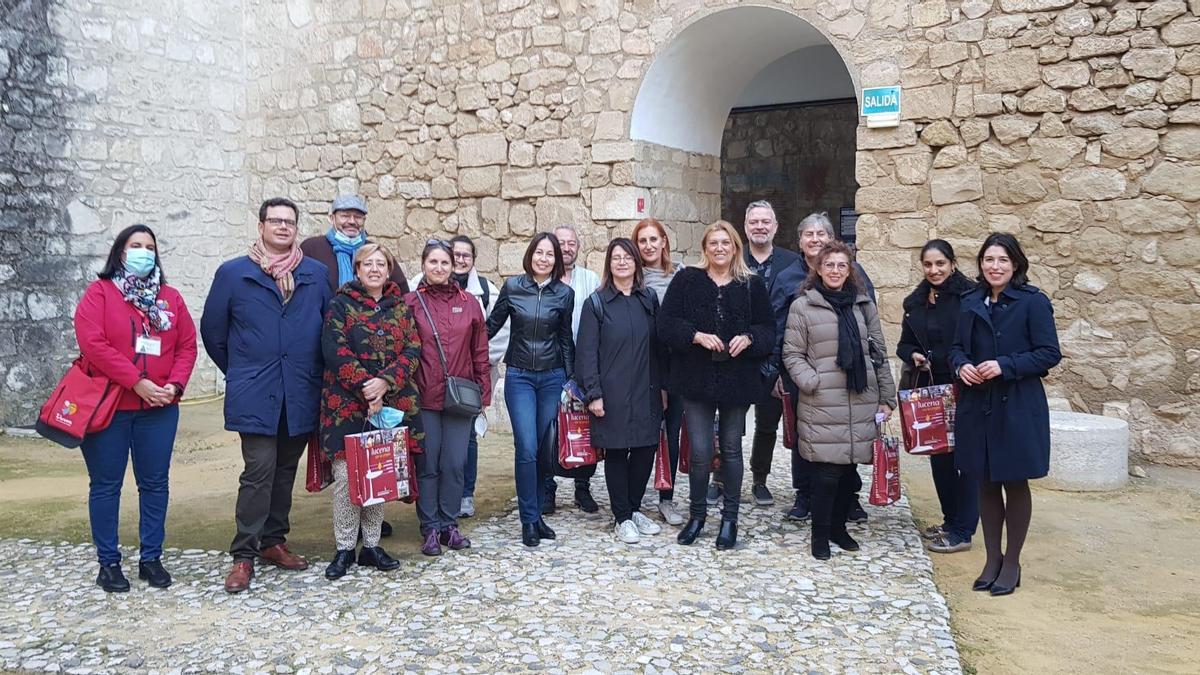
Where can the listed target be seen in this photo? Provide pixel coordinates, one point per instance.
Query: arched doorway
(745, 103)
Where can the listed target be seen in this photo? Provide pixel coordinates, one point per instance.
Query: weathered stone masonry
(1075, 124)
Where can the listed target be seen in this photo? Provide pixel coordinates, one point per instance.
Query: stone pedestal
(1087, 452)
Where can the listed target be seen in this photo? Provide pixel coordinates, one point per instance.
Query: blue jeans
(958, 495)
(532, 400)
(471, 470)
(149, 436)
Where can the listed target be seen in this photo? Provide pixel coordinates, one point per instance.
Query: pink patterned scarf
(278, 266)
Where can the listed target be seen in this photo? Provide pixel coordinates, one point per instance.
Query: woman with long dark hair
(833, 350)
(654, 248)
(539, 360)
(717, 321)
(1004, 344)
(617, 362)
(136, 330)
(926, 335)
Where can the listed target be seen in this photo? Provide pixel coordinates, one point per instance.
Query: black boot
(112, 579)
(152, 571)
(548, 502)
(378, 558)
(690, 531)
(529, 534)
(342, 560)
(727, 535)
(385, 530)
(584, 499)
(843, 503)
(821, 506)
(543, 530)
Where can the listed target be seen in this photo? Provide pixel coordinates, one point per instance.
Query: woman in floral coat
(371, 351)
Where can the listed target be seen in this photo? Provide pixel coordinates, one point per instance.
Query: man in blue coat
(815, 231)
(262, 327)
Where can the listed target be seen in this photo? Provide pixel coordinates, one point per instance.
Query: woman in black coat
(716, 319)
(926, 335)
(616, 361)
(1005, 343)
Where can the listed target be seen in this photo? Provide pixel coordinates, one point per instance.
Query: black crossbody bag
(463, 396)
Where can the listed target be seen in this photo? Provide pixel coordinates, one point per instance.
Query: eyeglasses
(462, 255)
(831, 266)
(277, 222)
(622, 259)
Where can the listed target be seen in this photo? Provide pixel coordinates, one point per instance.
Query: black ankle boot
(584, 499)
(727, 535)
(153, 572)
(529, 534)
(690, 531)
(342, 560)
(112, 579)
(543, 530)
(820, 543)
(378, 558)
(844, 540)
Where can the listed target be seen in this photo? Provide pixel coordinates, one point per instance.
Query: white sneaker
(628, 532)
(645, 525)
(467, 509)
(669, 514)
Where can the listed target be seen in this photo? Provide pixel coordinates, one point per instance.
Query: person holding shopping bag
(617, 362)
(454, 359)
(372, 352)
(135, 330)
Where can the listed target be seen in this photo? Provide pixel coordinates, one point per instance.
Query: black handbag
(463, 396)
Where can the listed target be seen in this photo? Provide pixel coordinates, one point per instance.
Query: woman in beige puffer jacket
(839, 398)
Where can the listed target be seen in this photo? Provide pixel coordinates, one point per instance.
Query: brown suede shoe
(239, 577)
(279, 556)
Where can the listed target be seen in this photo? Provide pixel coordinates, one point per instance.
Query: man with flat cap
(347, 233)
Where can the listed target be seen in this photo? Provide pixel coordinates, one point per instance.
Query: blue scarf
(344, 248)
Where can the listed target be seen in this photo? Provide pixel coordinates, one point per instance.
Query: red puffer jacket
(463, 334)
(106, 327)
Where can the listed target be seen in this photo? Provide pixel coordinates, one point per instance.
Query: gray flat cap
(348, 203)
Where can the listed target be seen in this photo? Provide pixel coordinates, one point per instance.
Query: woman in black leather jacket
(540, 358)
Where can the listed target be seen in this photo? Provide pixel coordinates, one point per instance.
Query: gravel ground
(583, 603)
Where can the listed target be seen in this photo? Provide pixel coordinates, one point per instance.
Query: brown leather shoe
(279, 556)
(239, 577)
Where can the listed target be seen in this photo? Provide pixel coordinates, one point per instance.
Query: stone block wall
(801, 159)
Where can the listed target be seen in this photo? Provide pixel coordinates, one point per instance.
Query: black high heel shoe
(998, 589)
(982, 584)
(690, 531)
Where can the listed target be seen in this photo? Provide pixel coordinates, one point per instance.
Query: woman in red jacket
(451, 326)
(135, 330)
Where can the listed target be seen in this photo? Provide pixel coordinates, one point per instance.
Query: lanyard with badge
(147, 344)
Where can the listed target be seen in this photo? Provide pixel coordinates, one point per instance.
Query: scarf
(850, 356)
(278, 267)
(142, 293)
(461, 279)
(345, 248)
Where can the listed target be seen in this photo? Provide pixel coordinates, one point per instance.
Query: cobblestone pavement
(583, 603)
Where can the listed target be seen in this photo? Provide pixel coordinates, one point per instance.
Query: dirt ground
(1111, 582)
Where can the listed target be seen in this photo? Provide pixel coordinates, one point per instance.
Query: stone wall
(801, 159)
(115, 113)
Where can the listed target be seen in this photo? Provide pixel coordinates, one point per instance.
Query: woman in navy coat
(1004, 345)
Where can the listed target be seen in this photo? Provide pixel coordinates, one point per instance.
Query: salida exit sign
(881, 106)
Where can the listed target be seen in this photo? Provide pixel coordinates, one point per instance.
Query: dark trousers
(264, 498)
(802, 477)
(626, 472)
(673, 418)
(440, 468)
(833, 489)
(766, 430)
(581, 474)
(958, 495)
(149, 437)
(700, 416)
(471, 468)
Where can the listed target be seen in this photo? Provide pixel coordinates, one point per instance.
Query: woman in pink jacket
(452, 329)
(135, 330)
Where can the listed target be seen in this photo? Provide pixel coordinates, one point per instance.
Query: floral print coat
(363, 338)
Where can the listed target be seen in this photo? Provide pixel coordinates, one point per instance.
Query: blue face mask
(139, 261)
(387, 418)
(348, 241)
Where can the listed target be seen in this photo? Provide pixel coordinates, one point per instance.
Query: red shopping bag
(372, 468)
(83, 402)
(320, 469)
(885, 471)
(927, 419)
(575, 437)
(789, 421)
(662, 464)
(685, 447)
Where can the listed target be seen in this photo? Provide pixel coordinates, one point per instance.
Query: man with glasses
(336, 248)
(486, 292)
(584, 282)
(815, 231)
(262, 327)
